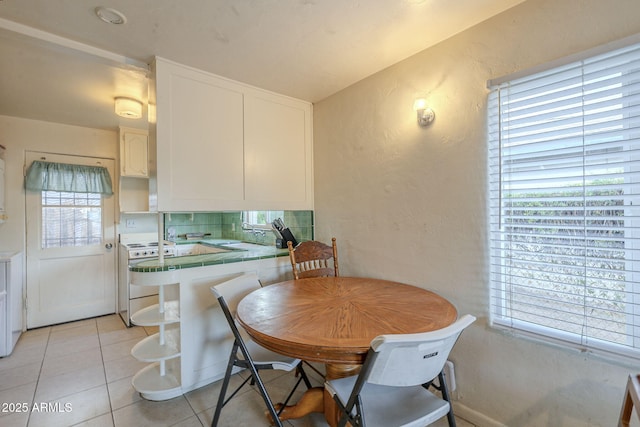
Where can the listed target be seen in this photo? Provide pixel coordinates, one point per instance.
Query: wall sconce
(128, 108)
(425, 114)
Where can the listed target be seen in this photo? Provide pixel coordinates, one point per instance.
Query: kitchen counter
(237, 252)
(193, 319)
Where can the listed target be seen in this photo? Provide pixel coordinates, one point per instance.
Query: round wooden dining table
(333, 320)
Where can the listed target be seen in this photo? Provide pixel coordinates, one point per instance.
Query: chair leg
(347, 418)
(444, 390)
(314, 369)
(631, 399)
(445, 395)
(286, 401)
(267, 400)
(225, 385)
(303, 375)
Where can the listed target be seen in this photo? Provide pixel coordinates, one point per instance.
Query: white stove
(148, 250)
(134, 248)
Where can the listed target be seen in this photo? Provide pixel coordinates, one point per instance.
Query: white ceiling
(61, 63)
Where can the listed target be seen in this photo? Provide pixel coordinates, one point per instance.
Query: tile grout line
(35, 389)
(104, 372)
(147, 332)
(192, 410)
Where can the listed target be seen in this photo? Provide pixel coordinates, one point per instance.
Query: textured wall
(409, 204)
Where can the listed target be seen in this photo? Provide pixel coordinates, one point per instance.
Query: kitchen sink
(244, 246)
(203, 248)
(199, 249)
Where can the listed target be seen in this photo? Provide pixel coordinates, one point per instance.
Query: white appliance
(134, 248)
(11, 303)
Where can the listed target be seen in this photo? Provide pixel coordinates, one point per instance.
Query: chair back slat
(314, 259)
(413, 359)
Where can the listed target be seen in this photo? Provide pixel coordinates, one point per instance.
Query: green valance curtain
(42, 176)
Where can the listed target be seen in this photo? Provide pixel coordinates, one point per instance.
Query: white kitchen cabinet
(11, 301)
(277, 149)
(196, 141)
(134, 153)
(2, 188)
(217, 144)
(134, 170)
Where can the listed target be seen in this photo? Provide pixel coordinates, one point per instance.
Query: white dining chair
(392, 388)
(246, 353)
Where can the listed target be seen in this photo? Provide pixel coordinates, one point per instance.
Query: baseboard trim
(474, 417)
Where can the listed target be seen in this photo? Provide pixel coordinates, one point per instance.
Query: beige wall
(409, 203)
(21, 135)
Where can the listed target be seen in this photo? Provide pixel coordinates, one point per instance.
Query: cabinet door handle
(108, 246)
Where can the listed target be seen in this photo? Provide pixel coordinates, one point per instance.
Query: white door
(71, 250)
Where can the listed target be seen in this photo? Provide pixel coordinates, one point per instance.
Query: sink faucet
(255, 231)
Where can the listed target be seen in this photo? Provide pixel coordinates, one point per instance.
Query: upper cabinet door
(198, 141)
(3, 216)
(133, 153)
(217, 144)
(277, 144)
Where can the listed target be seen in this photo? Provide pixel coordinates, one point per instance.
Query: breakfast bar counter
(231, 252)
(189, 318)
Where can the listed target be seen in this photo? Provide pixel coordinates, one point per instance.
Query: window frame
(498, 318)
(249, 219)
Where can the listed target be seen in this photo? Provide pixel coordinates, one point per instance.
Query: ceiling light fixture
(128, 108)
(425, 114)
(110, 16)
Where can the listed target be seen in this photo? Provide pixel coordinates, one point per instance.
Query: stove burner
(135, 245)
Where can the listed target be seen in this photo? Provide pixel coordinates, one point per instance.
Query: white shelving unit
(196, 335)
(161, 379)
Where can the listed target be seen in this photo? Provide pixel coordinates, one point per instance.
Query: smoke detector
(110, 16)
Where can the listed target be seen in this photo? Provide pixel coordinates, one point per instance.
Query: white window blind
(564, 168)
(71, 219)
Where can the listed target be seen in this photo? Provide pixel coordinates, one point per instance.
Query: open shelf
(161, 379)
(153, 386)
(150, 349)
(151, 316)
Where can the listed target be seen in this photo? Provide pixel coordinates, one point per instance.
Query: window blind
(564, 172)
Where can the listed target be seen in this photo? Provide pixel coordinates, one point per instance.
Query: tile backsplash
(228, 225)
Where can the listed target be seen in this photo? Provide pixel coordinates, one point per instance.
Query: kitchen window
(564, 172)
(260, 219)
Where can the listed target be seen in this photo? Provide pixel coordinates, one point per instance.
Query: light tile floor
(79, 374)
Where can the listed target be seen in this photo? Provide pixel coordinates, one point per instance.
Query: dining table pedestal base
(317, 399)
(311, 401)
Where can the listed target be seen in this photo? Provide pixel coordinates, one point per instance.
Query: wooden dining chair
(631, 399)
(392, 387)
(314, 259)
(247, 354)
